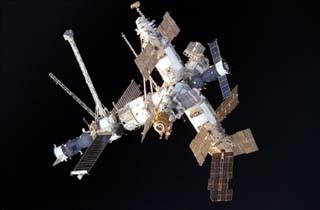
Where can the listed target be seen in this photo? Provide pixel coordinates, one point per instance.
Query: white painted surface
(207, 115)
(59, 154)
(134, 114)
(114, 137)
(104, 124)
(208, 112)
(79, 173)
(139, 110)
(220, 69)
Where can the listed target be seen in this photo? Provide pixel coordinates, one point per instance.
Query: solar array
(215, 52)
(90, 156)
(132, 92)
(200, 145)
(224, 86)
(194, 49)
(216, 57)
(243, 142)
(228, 105)
(149, 122)
(220, 174)
(168, 27)
(147, 126)
(147, 60)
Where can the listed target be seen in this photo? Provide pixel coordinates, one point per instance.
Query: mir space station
(160, 106)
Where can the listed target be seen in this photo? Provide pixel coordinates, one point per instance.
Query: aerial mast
(68, 36)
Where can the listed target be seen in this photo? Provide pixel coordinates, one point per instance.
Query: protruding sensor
(68, 35)
(72, 147)
(135, 5)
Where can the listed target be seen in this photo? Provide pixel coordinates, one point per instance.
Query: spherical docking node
(162, 124)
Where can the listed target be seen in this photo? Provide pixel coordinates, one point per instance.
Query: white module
(200, 114)
(170, 66)
(134, 114)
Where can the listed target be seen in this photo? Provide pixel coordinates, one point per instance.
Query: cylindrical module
(72, 147)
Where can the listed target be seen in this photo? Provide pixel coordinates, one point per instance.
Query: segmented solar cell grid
(224, 86)
(200, 145)
(215, 52)
(132, 92)
(228, 105)
(243, 142)
(91, 155)
(147, 60)
(168, 27)
(220, 173)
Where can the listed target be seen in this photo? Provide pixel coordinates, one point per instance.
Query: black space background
(272, 47)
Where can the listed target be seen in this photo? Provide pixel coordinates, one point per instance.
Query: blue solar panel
(215, 53)
(224, 82)
(224, 86)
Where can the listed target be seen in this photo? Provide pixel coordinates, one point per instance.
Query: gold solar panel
(243, 142)
(146, 127)
(168, 27)
(147, 60)
(200, 145)
(228, 105)
(220, 174)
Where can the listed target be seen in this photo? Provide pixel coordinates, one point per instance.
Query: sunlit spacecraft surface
(159, 106)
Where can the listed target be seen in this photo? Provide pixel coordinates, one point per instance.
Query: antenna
(68, 36)
(70, 93)
(128, 43)
(136, 5)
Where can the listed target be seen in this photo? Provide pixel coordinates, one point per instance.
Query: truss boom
(68, 36)
(70, 93)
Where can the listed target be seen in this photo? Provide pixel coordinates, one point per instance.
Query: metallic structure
(160, 106)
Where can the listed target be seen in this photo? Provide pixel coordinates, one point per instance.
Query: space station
(153, 106)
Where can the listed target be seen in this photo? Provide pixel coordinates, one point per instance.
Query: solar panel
(215, 52)
(90, 156)
(228, 105)
(132, 92)
(168, 27)
(217, 60)
(147, 60)
(243, 142)
(194, 49)
(220, 174)
(146, 127)
(200, 145)
(224, 86)
(150, 119)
